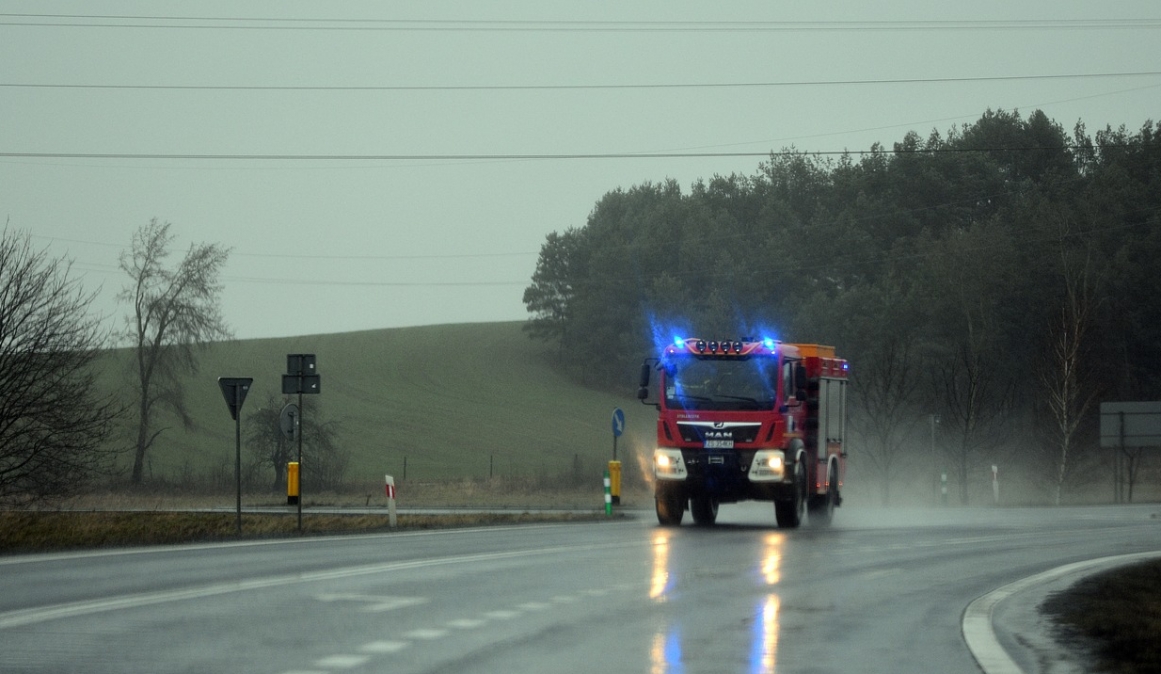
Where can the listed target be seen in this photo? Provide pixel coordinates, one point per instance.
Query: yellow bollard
(615, 481)
(292, 483)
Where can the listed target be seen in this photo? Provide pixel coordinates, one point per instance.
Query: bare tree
(1063, 370)
(175, 311)
(268, 446)
(53, 420)
(324, 461)
(881, 330)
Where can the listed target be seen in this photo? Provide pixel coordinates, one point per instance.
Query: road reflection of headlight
(772, 559)
(764, 649)
(665, 653)
(659, 581)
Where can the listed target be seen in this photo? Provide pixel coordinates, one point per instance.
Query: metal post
(300, 469)
(238, 450)
(1119, 463)
(934, 461)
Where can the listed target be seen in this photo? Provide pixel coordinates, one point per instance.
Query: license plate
(719, 444)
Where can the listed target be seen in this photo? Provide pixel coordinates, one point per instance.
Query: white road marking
(342, 661)
(467, 623)
(426, 634)
(534, 606)
(563, 599)
(41, 614)
(375, 604)
(977, 618)
(502, 614)
(382, 647)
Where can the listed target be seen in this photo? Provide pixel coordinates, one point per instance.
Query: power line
(566, 87)
(304, 256)
(487, 25)
(509, 157)
(374, 284)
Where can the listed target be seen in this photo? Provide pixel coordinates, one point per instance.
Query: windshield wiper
(742, 398)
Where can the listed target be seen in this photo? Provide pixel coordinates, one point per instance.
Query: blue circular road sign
(618, 422)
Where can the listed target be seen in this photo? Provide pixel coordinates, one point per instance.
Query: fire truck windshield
(721, 383)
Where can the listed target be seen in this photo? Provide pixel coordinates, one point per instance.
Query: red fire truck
(748, 420)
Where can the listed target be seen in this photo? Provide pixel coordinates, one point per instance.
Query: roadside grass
(495, 494)
(167, 517)
(25, 532)
(1118, 616)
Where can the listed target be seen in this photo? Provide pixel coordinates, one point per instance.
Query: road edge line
(977, 626)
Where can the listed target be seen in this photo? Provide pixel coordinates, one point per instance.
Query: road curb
(979, 631)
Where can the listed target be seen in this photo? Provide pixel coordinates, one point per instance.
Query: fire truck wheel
(670, 508)
(790, 513)
(704, 510)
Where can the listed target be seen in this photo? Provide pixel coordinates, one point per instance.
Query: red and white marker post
(390, 484)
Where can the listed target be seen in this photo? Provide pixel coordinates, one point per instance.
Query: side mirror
(643, 381)
(800, 377)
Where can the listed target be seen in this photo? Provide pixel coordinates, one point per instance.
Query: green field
(454, 401)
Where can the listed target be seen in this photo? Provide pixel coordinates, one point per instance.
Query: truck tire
(670, 508)
(790, 513)
(704, 510)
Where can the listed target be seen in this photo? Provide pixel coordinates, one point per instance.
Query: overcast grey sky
(405, 178)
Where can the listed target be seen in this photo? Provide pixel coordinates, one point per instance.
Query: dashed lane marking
(384, 647)
(426, 634)
(342, 661)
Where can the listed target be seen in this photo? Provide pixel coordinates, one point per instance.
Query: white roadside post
(390, 483)
(996, 484)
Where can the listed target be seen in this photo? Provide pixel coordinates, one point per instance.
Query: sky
(388, 164)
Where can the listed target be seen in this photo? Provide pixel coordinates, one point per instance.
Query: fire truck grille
(700, 430)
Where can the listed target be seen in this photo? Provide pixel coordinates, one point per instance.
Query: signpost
(288, 423)
(301, 377)
(234, 390)
(1129, 425)
(615, 465)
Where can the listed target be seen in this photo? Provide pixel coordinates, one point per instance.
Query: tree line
(991, 285)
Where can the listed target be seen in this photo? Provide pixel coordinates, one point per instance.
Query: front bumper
(726, 475)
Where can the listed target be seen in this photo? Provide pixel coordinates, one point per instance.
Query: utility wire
(565, 87)
(485, 25)
(505, 157)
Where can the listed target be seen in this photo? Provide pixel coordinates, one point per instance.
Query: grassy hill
(457, 401)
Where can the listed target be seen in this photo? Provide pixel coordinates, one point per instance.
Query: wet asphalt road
(880, 591)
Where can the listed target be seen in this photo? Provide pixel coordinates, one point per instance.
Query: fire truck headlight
(668, 464)
(769, 465)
